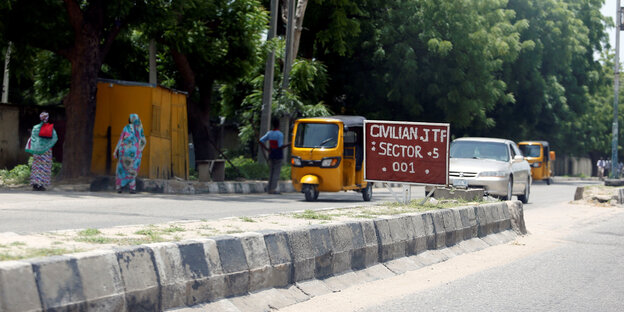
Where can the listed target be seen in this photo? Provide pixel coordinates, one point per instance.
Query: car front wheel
(509, 189)
(524, 198)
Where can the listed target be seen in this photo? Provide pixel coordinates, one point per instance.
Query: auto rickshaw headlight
(536, 164)
(330, 162)
(295, 161)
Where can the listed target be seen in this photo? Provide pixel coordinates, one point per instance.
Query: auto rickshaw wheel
(310, 191)
(367, 192)
(548, 181)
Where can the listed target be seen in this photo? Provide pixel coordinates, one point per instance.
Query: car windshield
(316, 135)
(530, 150)
(479, 150)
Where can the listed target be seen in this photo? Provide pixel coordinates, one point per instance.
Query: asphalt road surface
(26, 211)
(572, 260)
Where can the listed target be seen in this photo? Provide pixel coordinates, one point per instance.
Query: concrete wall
(573, 166)
(15, 126)
(316, 259)
(9, 142)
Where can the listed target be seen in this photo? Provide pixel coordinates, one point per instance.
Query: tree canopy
(519, 69)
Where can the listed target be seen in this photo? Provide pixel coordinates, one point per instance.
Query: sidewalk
(173, 186)
(185, 187)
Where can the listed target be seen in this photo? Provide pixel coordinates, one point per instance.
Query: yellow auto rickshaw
(327, 156)
(540, 157)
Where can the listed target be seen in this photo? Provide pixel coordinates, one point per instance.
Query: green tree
(555, 75)
(209, 42)
(242, 100)
(427, 60)
(82, 32)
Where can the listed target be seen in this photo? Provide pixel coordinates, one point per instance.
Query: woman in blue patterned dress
(41, 148)
(129, 151)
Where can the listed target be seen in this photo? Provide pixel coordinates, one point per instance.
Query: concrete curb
(173, 186)
(255, 271)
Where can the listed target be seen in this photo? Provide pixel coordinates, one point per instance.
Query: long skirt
(41, 170)
(128, 168)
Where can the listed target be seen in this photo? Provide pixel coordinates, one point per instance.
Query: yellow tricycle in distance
(541, 159)
(327, 154)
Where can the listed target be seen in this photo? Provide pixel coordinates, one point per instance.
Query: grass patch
(233, 231)
(247, 219)
(152, 235)
(95, 240)
(312, 215)
(173, 229)
(18, 244)
(89, 232)
(36, 253)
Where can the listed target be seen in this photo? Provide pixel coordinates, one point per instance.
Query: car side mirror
(518, 158)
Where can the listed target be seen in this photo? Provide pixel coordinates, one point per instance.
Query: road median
(288, 265)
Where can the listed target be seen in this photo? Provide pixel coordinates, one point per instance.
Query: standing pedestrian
(276, 155)
(42, 139)
(600, 165)
(128, 152)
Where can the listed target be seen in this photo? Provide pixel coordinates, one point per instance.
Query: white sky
(609, 9)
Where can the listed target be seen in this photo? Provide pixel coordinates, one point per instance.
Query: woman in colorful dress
(41, 148)
(129, 151)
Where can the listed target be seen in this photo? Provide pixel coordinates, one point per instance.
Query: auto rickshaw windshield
(530, 150)
(313, 135)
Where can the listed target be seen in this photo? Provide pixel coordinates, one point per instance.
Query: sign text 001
(407, 152)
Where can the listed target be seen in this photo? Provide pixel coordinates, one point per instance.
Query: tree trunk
(198, 112)
(299, 15)
(80, 107)
(301, 7)
(204, 140)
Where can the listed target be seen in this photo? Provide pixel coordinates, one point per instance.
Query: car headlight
(493, 174)
(330, 162)
(295, 161)
(536, 164)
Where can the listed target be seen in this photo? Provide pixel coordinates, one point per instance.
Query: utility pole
(5, 81)
(267, 95)
(290, 32)
(152, 62)
(616, 86)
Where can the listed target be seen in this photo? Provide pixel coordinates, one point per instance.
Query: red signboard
(407, 152)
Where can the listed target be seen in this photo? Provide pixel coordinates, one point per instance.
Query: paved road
(571, 261)
(26, 211)
(582, 273)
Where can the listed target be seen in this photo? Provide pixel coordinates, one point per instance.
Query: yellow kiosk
(163, 114)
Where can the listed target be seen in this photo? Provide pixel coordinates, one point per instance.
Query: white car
(495, 165)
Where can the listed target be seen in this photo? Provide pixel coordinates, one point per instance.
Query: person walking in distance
(42, 139)
(600, 165)
(276, 143)
(128, 152)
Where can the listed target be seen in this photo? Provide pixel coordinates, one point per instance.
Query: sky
(609, 9)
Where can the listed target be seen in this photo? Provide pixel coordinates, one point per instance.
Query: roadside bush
(20, 174)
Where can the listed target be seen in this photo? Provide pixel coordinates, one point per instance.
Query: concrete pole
(267, 95)
(152, 62)
(616, 85)
(290, 31)
(5, 81)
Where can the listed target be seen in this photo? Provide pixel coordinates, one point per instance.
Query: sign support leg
(407, 193)
(427, 197)
(392, 192)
